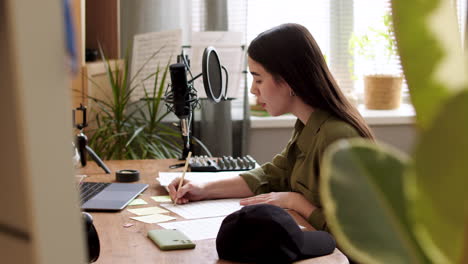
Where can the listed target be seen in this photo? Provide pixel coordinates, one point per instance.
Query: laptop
(104, 196)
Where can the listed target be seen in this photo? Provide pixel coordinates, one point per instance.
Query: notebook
(104, 196)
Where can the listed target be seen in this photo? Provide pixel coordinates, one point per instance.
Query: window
(461, 14)
(331, 22)
(313, 14)
(370, 12)
(370, 29)
(255, 16)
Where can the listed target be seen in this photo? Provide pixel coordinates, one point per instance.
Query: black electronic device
(106, 196)
(225, 163)
(180, 90)
(82, 141)
(182, 98)
(92, 238)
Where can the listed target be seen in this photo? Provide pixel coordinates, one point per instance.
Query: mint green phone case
(169, 239)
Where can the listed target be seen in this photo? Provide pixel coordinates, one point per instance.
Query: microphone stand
(82, 143)
(186, 127)
(182, 99)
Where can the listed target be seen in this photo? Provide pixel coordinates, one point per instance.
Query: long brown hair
(289, 51)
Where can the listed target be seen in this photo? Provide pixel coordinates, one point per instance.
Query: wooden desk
(131, 245)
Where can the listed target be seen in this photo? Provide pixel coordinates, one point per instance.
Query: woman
(290, 76)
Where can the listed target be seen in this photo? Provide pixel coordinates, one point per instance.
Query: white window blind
(461, 15)
(198, 15)
(255, 16)
(331, 22)
(314, 15)
(341, 27)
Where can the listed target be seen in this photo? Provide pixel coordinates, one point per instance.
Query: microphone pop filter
(212, 78)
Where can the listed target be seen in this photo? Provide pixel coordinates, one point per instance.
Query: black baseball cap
(264, 233)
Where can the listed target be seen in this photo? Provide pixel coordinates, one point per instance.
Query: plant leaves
(125, 130)
(362, 195)
(438, 182)
(430, 50)
(135, 134)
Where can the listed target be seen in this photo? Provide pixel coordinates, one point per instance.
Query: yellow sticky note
(162, 199)
(137, 202)
(154, 218)
(148, 211)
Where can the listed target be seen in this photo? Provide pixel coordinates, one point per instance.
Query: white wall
(143, 16)
(267, 142)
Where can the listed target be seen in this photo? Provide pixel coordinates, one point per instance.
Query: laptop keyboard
(89, 189)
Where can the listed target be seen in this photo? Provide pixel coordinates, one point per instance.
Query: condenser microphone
(180, 90)
(181, 99)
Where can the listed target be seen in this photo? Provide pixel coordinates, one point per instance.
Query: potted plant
(375, 50)
(384, 206)
(126, 129)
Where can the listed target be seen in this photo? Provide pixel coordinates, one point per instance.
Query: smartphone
(169, 239)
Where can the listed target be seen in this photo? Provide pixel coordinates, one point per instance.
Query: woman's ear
(283, 83)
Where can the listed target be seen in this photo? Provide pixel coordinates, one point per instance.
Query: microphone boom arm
(196, 77)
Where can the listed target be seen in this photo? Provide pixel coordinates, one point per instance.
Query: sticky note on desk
(154, 218)
(138, 202)
(162, 199)
(148, 211)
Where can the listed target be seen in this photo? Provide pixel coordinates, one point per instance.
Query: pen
(183, 174)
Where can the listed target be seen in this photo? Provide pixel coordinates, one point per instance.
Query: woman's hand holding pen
(188, 192)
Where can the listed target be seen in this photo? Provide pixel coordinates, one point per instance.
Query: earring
(292, 93)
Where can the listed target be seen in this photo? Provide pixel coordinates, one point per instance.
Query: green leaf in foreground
(438, 182)
(363, 198)
(431, 55)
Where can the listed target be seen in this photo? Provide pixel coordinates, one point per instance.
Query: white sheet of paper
(168, 45)
(165, 178)
(209, 208)
(154, 218)
(228, 45)
(148, 211)
(199, 229)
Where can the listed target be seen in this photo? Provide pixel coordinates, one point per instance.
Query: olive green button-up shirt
(297, 168)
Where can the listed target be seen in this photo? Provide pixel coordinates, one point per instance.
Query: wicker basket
(382, 92)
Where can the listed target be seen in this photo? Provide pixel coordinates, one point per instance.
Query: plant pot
(382, 92)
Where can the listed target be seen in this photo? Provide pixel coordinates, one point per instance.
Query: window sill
(401, 116)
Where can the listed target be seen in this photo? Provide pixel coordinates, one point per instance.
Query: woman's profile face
(272, 95)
